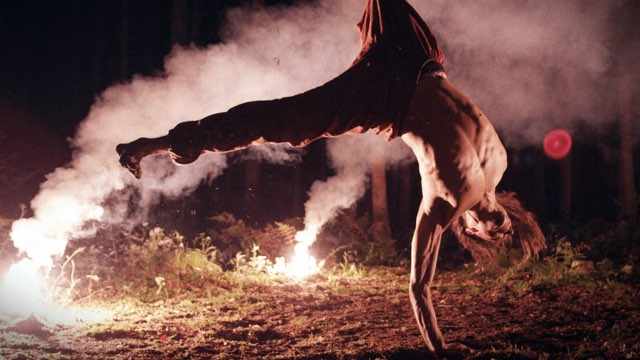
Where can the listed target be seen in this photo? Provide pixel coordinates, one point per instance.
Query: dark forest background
(57, 56)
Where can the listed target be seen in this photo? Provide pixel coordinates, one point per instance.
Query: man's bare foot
(131, 154)
(128, 160)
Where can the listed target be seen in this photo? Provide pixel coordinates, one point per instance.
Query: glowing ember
(302, 264)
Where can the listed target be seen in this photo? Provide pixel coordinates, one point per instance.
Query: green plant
(5, 229)
(549, 271)
(194, 260)
(255, 263)
(5, 224)
(349, 268)
(63, 286)
(276, 240)
(230, 236)
(362, 243)
(381, 249)
(509, 258)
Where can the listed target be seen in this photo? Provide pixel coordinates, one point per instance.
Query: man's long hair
(526, 234)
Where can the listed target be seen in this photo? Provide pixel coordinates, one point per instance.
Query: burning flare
(25, 290)
(302, 264)
(22, 291)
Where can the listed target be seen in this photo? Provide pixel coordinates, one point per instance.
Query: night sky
(57, 56)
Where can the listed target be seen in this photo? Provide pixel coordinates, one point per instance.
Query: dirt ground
(354, 313)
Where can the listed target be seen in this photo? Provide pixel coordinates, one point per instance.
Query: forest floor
(349, 313)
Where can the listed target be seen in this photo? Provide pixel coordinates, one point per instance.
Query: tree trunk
(566, 164)
(380, 213)
(540, 187)
(401, 216)
(566, 169)
(179, 20)
(297, 194)
(196, 20)
(627, 193)
(125, 31)
(98, 50)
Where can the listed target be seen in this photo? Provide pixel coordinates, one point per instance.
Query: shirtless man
(397, 85)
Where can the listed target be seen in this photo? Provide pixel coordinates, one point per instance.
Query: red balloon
(557, 144)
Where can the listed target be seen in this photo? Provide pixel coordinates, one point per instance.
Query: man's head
(487, 233)
(487, 225)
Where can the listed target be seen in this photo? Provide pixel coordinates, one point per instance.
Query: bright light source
(302, 264)
(23, 292)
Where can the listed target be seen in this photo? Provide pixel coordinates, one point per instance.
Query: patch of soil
(367, 316)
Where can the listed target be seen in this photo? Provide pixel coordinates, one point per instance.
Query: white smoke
(529, 64)
(275, 153)
(266, 54)
(532, 65)
(351, 157)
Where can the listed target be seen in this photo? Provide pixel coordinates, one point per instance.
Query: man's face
(488, 226)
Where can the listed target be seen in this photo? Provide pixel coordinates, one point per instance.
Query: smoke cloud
(531, 65)
(351, 157)
(267, 53)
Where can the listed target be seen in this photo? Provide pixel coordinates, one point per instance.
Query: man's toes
(129, 163)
